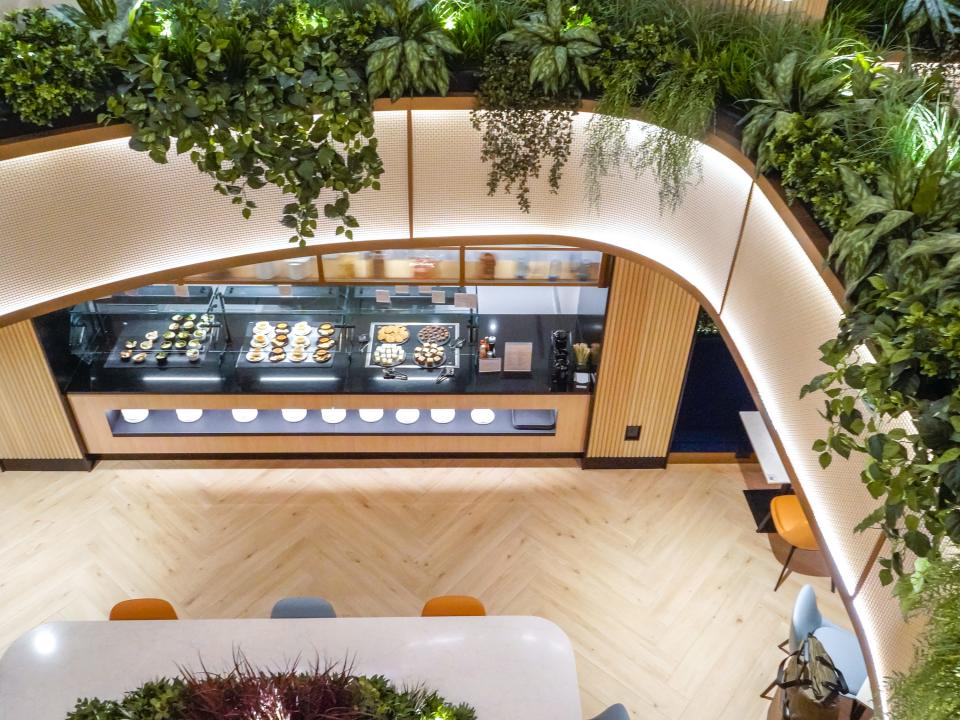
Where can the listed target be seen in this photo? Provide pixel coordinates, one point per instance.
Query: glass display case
(513, 265)
(261, 339)
(418, 265)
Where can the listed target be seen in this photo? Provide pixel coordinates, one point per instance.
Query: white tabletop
(505, 667)
(763, 446)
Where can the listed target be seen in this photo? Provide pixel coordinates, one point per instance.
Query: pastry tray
(175, 358)
(314, 336)
(452, 355)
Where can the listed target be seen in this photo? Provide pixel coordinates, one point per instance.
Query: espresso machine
(560, 365)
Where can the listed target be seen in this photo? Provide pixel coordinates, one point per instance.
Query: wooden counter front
(91, 412)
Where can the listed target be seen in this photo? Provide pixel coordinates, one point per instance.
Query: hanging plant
(255, 99)
(522, 128)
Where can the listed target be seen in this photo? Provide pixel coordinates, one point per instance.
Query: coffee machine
(560, 360)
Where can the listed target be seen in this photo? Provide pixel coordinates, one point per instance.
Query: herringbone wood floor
(657, 576)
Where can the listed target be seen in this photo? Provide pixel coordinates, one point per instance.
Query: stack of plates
(333, 415)
(443, 416)
(407, 417)
(482, 417)
(134, 416)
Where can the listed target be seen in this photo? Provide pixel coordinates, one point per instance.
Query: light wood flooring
(657, 576)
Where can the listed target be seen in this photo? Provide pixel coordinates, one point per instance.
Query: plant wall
(281, 93)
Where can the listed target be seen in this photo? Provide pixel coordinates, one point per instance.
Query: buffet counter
(374, 424)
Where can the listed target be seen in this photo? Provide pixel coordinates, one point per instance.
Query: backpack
(811, 684)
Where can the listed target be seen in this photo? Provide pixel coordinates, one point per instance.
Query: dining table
(506, 667)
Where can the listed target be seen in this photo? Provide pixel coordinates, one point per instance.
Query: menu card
(383, 296)
(518, 357)
(402, 290)
(465, 300)
(439, 297)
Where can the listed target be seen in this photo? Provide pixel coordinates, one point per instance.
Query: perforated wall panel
(778, 313)
(85, 216)
(450, 199)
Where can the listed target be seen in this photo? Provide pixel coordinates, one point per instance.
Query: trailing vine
(255, 99)
(521, 127)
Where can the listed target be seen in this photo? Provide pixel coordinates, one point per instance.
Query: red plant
(245, 693)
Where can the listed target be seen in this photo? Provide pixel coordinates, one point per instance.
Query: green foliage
(681, 108)
(931, 690)
(475, 25)
(104, 20)
(255, 98)
(48, 68)
(940, 17)
(809, 157)
(411, 57)
(521, 127)
(557, 42)
(157, 700)
(248, 693)
(382, 701)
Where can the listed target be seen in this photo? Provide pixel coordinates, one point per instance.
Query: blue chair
(841, 645)
(302, 607)
(614, 712)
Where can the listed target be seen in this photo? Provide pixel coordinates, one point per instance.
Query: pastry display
(259, 341)
(125, 355)
(255, 356)
(282, 327)
(301, 340)
(139, 357)
(152, 335)
(428, 355)
(276, 355)
(321, 356)
(393, 334)
(388, 355)
(326, 329)
(325, 343)
(161, 358)
(297, 355)
(437, 334)
(279, 341)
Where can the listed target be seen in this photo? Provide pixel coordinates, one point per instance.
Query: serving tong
(391, 374)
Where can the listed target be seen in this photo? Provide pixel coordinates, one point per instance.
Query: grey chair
(614, 712)
(302, 607)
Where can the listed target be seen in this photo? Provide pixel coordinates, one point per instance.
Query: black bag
(811, 684)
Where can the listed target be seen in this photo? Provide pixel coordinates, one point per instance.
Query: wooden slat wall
(647, 338)
(813, 9)
(33, 420)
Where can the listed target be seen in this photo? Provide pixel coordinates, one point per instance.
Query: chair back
(614, 712)
(302, 607)
(806, 617)
(143, 609)
(444, 605)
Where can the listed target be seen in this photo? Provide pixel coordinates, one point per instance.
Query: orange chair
(452, 605)
(143, 609)
(792, 525)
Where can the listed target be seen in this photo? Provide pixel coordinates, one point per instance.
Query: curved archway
(83, 218)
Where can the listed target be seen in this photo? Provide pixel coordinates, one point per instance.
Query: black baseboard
(340, 456)
(623, 463)
(82, 465)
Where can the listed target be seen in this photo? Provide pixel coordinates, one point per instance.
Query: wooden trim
(710, 458)
(61, 139)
